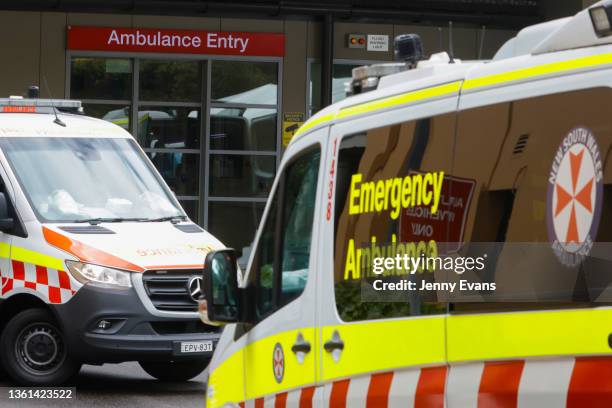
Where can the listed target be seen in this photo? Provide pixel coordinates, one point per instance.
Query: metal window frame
(205, 106)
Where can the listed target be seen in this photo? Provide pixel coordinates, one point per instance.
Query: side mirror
(221, 302)
(6, 223)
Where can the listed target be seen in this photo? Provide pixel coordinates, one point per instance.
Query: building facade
(211, 100)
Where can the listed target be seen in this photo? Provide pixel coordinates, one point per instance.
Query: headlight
(84, 272)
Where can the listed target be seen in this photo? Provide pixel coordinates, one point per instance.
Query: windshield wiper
(173, 219)
(96, 221)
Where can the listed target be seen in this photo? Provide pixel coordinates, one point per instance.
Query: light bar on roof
(41, 103)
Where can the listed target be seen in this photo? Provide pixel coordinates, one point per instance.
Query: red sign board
(447, 225)
(176, 41)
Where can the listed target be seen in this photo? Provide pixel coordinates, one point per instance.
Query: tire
(33, 350)
(174, 371)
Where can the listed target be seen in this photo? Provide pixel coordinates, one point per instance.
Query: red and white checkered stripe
(556, 382)
(56, 286)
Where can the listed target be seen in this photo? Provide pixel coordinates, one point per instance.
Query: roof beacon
(408, 52)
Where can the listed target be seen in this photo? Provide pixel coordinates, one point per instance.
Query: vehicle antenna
(57, 120)
(451, 50)
(482, 37)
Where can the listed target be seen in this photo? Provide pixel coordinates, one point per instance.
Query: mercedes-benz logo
(194, 287)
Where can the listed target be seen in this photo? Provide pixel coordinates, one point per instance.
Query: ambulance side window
(18, 229)
(283, 254)
(541, 205)
(370, 222)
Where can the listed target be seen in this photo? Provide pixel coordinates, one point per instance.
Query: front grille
(168, 290)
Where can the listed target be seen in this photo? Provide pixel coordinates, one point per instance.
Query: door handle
(335, 343)
(300, 348)
(301, 345)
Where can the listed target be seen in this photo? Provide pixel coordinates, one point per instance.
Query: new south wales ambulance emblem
(575, 193)
(278, 363)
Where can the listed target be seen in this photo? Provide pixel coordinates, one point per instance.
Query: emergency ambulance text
(395, 193)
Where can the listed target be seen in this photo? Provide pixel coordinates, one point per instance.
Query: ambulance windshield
(80, 179)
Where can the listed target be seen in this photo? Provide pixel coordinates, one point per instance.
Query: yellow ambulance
(523, 143)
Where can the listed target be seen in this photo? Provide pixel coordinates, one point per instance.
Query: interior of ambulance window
(363, 231)
(283, 252)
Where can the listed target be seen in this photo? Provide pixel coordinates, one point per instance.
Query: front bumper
(134, 333)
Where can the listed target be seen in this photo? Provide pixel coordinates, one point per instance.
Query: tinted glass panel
(117, 114)
(298, 216)
(243, 129)
(341, 74)
(241, 176)
(244, 82)
(169, 127)
(315, 85)
(367, 228)
(180, 170)
(223, 219)
(100, 78)
(191, 208)
(288, 229)
(264, 262)
(170, 81)
(541, 207)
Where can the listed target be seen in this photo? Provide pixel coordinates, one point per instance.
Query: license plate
(187, 347)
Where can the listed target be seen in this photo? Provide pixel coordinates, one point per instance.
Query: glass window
(315, 87)
(100, 78)
(341, 74)
(300, 191)
(117, 114)
(542, 200)
(244, 82)
(180, 170)
(288, 228)
(191, 208)
(69, 179)
(368, 164)
(171, 81)
(168, 127)
(243, 129)
(223, 219)
(264, 301)
(241, 175)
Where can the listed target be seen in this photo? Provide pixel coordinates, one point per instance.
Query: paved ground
(119, 386)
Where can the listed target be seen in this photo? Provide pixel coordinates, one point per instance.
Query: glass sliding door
(168, 124)
(210, 126)
(104, 85)
(242, 147)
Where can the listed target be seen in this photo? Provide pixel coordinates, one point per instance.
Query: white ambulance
(98, 262)
(525, 145)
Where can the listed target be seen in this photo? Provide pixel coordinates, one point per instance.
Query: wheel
(33, 350)
(174, 370)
